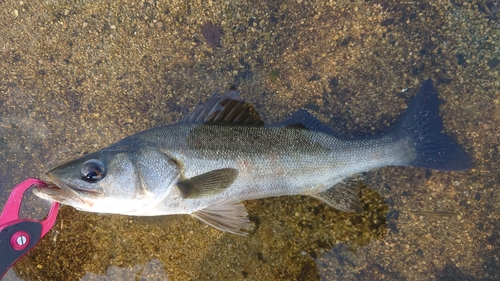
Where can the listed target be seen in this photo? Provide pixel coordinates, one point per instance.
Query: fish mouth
(60, 192)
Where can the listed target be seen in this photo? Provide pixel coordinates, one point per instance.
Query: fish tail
(422, 126)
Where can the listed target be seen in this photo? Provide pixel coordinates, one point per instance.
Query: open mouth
(59, 192)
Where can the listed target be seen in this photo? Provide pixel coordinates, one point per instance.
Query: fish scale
(222, 154)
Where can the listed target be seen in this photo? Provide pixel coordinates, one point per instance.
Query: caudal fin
(422, 124)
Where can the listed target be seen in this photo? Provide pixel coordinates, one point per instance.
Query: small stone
(212, 34)
(262, 23)
(15, 13)
(387, 22)
(493, 62)
(460, 59)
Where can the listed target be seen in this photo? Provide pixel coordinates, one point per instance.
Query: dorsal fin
(303, 119)
(226, 108)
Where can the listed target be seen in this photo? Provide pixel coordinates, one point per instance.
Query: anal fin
(343, 196)
(231, 217)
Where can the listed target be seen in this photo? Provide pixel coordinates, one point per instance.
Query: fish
(222, 153)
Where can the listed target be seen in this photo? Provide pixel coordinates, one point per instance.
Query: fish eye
(92, 170)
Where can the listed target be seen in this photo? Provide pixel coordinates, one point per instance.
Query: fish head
(104, 182)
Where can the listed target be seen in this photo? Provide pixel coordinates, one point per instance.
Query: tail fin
(422, 123)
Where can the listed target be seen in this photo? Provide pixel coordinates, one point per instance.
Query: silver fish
(222, 154)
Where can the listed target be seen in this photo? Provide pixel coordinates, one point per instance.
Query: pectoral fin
(343, 196)
(231, 217)
(207, 184)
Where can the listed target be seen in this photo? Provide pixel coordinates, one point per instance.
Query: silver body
(302, 162)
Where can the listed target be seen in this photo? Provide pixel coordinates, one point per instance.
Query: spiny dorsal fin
(226, 108)
(207, 184)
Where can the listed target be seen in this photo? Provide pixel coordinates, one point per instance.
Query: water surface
(77, 76)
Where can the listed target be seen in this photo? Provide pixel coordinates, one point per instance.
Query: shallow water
(77, 76)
